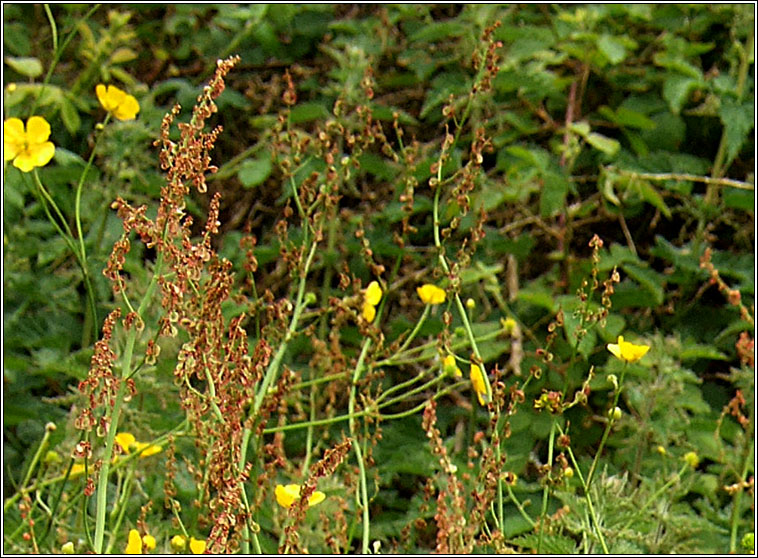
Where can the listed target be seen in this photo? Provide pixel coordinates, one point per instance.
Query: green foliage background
(601, 117)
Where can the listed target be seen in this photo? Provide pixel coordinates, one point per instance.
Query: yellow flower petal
(197, 546)
(628, 352)
(126, 441)
(178, 543)
(128, 109)
(373, 293)
(369, 312)
(146, 450)
(76, 470)
(149, 542)
(289, 494)
(478, 383)
(431, 294)
(316, 498)
(119, 103)
(450, 367)
(37, 130)
(42, 153)
(134, 545)
(14, 138)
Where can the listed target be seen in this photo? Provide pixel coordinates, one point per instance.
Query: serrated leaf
(254, 172)
(694, 351)
(738, 120)
(26, 66)
(649, 280)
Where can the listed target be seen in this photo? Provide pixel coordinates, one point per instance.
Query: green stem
(102, 481)
(546, 488)
(59, 52)
(416, 329)
(363, 499)
(608, 427)
(588, 499)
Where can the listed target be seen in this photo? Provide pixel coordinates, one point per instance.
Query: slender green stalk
(363, 499)
(115, 415)
(608, 426)
(519, 505)
(546, 488)
(588, 498)
(416, 329)
(59, 52)
(81, 258)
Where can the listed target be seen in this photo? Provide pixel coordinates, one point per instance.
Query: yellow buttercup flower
(289, 494)
(197, 546)
(368, 313)
(477, 381)
(146, 450)
(76, 470)
(450, 367)
(431, 294)
(371, 297)
(28, 146)
(129, 443)
(126, 441)
(373, 293)
(134, 544)
(119, 103)
(149, 542)
(178, 543)
(628, 352)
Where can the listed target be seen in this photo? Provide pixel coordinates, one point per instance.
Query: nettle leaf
(677, 89)
(738, 120)
(649, 280)
(554, 189)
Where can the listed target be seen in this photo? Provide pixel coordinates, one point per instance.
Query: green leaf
(613, 49)
(651, 281)
(651, 195)
(738, 120)
(554, 190)
(306, 112)
(739, 199)
(598, 141)
(634, 119)
(26, 66)
(677, 89)
(254, 172)
(439, 30)
(70, 116)
(602, 143)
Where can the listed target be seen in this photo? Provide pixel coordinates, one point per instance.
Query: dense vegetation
(407, 278)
